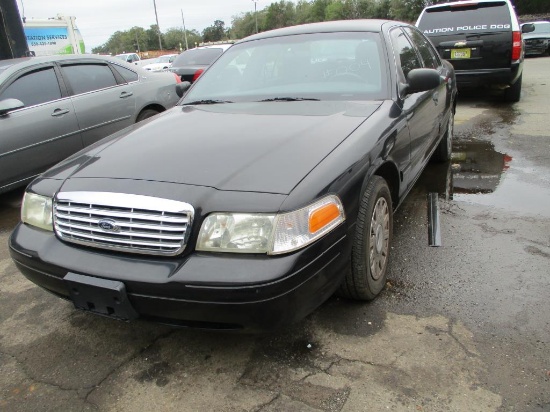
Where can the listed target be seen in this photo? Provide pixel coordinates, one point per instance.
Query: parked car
(482, 40)
(161, 63)
(279, 191)
(538, 41)
(130, 58)
(53, 106)
(190, 64)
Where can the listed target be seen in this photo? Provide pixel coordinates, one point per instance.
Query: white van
(58, 35)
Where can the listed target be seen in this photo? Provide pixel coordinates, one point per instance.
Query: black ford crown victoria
(269, 187)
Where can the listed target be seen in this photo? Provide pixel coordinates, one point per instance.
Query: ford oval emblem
(108, 225)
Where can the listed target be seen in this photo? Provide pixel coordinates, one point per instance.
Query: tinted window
(424, 47)
(128, 74)
(471, 17)
(408, 59)
(199, 57)
(34, 88)
(88, 77)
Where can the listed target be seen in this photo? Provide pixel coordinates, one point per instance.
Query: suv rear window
(469, 17)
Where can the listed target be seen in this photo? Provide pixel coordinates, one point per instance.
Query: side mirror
(182, 87)
(9, 105)
(421, 80)
(527, 28)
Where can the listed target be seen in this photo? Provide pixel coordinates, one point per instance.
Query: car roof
(360, 25)
(223, 46)
(31, 61)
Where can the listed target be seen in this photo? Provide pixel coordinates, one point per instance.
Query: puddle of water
(478, 174)
(482, 175)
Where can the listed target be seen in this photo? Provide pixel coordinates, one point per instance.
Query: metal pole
(256, 14)
(158, 27)
(184, 31)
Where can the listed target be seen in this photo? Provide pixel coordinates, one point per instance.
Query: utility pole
(158, 27)
(184, 31)
(256, 14)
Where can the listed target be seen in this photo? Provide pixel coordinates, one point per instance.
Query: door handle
(60, 112)
(124, 95)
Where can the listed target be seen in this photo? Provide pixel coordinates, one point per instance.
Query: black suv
(482, 40)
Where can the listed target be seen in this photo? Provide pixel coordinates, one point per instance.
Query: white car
(162, 63)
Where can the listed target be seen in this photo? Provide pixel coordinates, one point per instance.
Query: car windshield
(320, 66)
(164, 59)
(542, 28)
(200, 57)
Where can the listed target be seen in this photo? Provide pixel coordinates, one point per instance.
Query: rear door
(103, 100)
(473, 35)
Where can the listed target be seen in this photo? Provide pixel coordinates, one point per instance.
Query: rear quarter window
(475, 17)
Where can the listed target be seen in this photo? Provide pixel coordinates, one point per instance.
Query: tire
(371, 243)
(145, 114)
(445, 147)
(513, 93)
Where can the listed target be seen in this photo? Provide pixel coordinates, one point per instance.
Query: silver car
(53, 106)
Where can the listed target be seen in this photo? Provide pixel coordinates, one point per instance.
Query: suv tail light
(197, 74)
(516, 45)
(178, 79)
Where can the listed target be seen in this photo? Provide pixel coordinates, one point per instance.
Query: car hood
(255, 147)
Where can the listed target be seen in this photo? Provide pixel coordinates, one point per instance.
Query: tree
(279, 14)
(319, 10)
(174, 38)
(215, 32)
(408, 10)
(245, 25)
(302, 12)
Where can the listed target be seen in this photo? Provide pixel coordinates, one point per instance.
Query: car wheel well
(388, 171)
(156, 107)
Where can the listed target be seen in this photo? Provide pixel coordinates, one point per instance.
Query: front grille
(123, 222)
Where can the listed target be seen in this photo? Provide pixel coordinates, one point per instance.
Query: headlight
(37, 211)
(270, 233)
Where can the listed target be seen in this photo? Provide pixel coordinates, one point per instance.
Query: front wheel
(371, 244)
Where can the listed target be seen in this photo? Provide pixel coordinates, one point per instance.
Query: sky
(97, 20)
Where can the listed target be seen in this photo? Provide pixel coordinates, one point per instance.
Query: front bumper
(212, 291)
(536, 48)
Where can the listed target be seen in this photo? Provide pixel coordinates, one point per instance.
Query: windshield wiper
(206, 101)
(289, 99)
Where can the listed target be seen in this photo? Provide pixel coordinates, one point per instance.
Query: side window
(127, 74)
(408, 59)
(424, 47)
(33, 88)
(85, 78)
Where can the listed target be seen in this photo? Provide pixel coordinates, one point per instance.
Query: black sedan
(269, 187)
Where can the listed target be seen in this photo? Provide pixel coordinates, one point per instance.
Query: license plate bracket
(461, 53)
(101, 296)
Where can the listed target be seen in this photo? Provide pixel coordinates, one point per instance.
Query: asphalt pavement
(461, 327)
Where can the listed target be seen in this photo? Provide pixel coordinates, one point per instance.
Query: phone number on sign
(43, 43)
